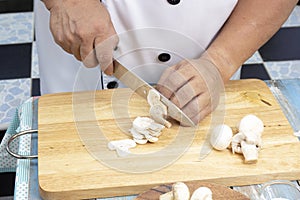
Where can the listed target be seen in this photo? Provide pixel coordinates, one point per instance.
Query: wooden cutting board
(74, 129)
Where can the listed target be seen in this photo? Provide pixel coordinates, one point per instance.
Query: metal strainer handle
(18, 156)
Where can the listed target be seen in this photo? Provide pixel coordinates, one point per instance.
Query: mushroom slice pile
(158, 111)
(145, 129)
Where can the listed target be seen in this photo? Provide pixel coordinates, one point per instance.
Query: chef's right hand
(84, 28)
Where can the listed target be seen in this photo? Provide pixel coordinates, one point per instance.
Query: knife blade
(142, 88)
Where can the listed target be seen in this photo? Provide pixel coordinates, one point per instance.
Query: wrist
(221, 62)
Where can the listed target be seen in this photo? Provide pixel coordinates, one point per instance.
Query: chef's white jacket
(154, 34)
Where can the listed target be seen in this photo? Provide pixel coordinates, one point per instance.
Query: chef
(190, 48)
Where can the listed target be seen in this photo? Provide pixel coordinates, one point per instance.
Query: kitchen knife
(142, 88)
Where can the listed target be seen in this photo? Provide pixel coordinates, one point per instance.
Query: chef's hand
(84, 29)
(194, 86)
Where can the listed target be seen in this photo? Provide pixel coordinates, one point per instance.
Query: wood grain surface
(74, 129)
(219, 192)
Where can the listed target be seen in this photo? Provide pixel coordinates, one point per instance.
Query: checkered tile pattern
(279, 58)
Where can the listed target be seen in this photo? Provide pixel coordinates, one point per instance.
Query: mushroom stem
(250, 152)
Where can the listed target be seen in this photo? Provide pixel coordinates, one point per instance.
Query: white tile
(34, 62)
(294, 18)
(283, 69)
(255, 58)
(12, 94)
(16, 28)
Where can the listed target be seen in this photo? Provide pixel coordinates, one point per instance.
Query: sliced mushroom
(148, 136)
(135, 134)
(250, 152)
(142, 123)
(202, 193)
(121, 146)
(155, 133)
(140, 141)
(153, 97)
(158, 111)
(220, 137)
(156, 127)
(128, 143)
(122, 151)
(236, 143)
(145, 129)
(158, 114)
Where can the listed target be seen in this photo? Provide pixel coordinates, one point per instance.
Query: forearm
(251, 24)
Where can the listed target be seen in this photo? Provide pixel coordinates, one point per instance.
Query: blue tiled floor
(17, 28)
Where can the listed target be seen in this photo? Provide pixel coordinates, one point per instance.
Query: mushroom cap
(220, 137)
(251, 124)
(158, 110)
(153, 97)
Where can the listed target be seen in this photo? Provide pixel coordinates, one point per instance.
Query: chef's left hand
(194, 86)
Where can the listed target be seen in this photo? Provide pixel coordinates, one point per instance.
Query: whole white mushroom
(202, 193)
(220, 137)
(181, 191)
(251, 124)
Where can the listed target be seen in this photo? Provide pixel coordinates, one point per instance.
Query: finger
(88, 53)
(105, 59)
(194, 107)
(200, 116)
(75, 48)
(160, 84)
(187, 92)
(67, 38)
(58, 35)
(91, 59)
(167, 73)
(110, 69)
(173, 81)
